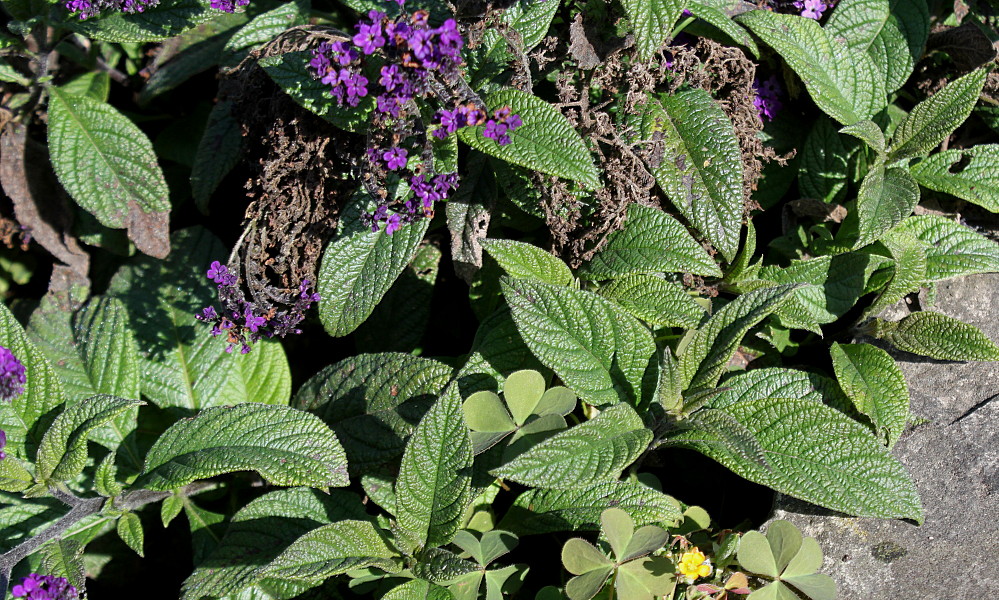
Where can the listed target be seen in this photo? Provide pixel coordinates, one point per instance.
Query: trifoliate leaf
(938, 336)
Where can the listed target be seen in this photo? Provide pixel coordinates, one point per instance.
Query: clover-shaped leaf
(484, 550)
(788, 559)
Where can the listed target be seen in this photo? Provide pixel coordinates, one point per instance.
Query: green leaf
(13, 476)
(206, 529)
(886, 197)
(434, 483)
(651, 242)
(373, 403)
(756, 556)
(970, 174)
(705, 358)
(908, 270)
(64, 558)
(332, 550)
(824, 164)
(264, 28)
(263, 529)
(182, 364)
(162, 21)
(646, 578)
(106, 477)
(291, 73)
(817, 454)
(498, 349)
(868, 132)
(701, 166)
(600, 352)
(108, 166)
(358, 268)
(218, 152)
(586, 586)
(526, 261)
(171, 507)
(592, 452)
(953, 250)
(443, 566)
(130, 532)
(774, 382)
(713, 13)
(933, 119)
(842, 81)
(97, 85)
(12, 75)
(546, 141)
(938, 336)
(63, 451)
(652, 21)
(284, 445)
(656, 301)
(418, 589)
(580, 556)
(528, 22)
(875, 384)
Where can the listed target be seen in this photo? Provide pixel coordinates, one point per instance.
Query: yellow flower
(694, 565)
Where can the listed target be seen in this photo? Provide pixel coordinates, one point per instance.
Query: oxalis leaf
(971, 174)
(886, 197)
(434, 483)
(286, 446)
(592, 452)
(63, 451)
(598, 350)
(546, 141)
(108, 166)
(875, 385)
(817, 454)
(938, 336)
(701, 165)
(652, 21)
(332, 550)
(418, 589)
(952, 249)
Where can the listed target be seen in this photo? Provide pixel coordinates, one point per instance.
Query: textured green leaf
(817, 454)
(656, 301)
(286, 446)
(182, 364)
(938, 336)
(418, 589)
(291, 73)
(130, 532)
(954, 249)
(774, 382)
(162, 21)
(218, 152)
(705, 358)
(971, 174)
(332, 550)
(592, 452)
(108, 166)
(546, 141)
(529, 21)
(908, 270)
(875, 384)
(97, 85)
(599, 351)
(263, 529)
(64, 558)
(63, 451)
(651, 22)
(25, 418)
(12, 75)
(713, 13)
(526, 261)
(373, 403)
(868, 132)
(264, 28)
(651, 242)
(823, 169)
(933, 119)
(498, 349)
(736, 438)
(837, 282)
(443, 566)
(842, 81)
(701, 166)
(434, 484)
(886, 197)
(13, 476)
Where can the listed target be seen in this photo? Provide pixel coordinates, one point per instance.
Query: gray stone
(952, 452)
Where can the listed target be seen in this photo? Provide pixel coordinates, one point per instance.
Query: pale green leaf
(652, 22)
(869, 133)
(418, 589)
(580, 556)
(816, 586)
(953, 249)
(886, 197)
(526, 261)
(656, 301)
(332, 550)
(875, 384)
(130, 532)
(970, 174)
(938, 336)
(755, 554)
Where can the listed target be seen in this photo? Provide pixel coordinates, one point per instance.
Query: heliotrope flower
(767, 100)
(694, 565)
(812, 9)
(12, 378)
(44, 587)
(3, 444)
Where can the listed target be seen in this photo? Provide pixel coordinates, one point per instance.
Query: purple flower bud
(12, 377)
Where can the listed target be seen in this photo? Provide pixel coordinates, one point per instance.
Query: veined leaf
(713, 13)
(971, 174)
(886, 197)
(953, 249)
(264, 28)
(933, 119)
(842, 81)
(332, 550)
(652, 21)
(656, 301)
(130, 531)
(651, 242)
(218, 152)
(108, 166)
(701, 166)
(498, 349)
(529, 19)
(938, 336)
(816, 453)
(526, 261)
(418, 589)
(775, 382)
(162, 21)
(823, 169)
(599, 351)
(286, 446)
(908, 270)
(875, 385)
(546, 141)
(434, 483)
(868, 132)
(589, 453)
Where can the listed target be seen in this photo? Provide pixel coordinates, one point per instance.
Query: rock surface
(952, 451)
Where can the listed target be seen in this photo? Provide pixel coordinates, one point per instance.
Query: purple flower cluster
(767, 100)
(12, 378)
(91, 8)
(243, 322)
(811, 9)
(467, 115)
(3, 444)
(44, 587)
(228, 5)
(420, 204)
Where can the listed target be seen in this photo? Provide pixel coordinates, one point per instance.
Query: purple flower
(12, 378)
(228, 5)
(767, 100)
(813, 9)
(503, 121)
(355, 85)
(44, 587)
(392, 224)
(369, 37)
(395, 158)
(3, 443)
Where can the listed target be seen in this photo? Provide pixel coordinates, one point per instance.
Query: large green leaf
(952, 249)
(843, 82)
(332, 550)
(162, 21)
(775, 382)
(527, 22)
(651, 242)
(817, 454)
(498, 349)
(938, 336)
(418, 589)
(701, 165)
(434, 483)
(652, 21)
(108, 166)
(875, 384)
(908, 271)
(593, 452)
(264, 28)
(63, 451)
(886, 197)
(933, 119)
(182, 364)
(823, 169)
(546, 141)
(373, 403)
(598, 350)
(713, 12)
(656, 301)
(286, 446)
(526, 261)
(971, 174)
